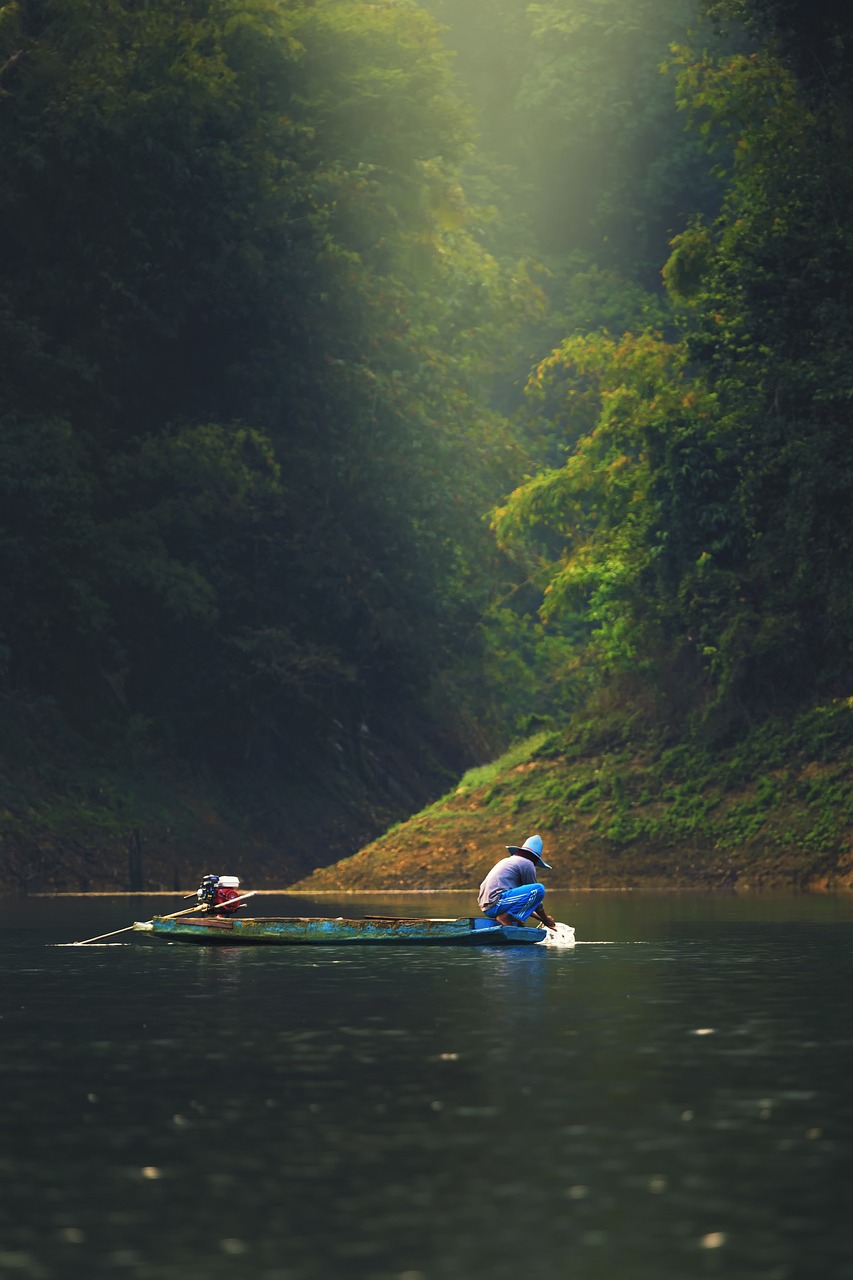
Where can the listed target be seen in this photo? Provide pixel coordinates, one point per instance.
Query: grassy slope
(774, 807)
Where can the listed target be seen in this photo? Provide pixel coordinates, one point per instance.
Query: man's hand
(548, 921)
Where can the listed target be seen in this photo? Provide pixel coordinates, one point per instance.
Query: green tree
(769, 320)
(576, 117)
(700, 525)
(247, 441)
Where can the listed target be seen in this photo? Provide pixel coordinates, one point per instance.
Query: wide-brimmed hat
(533, 847)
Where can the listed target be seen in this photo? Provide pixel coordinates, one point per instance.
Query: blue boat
(301, 930)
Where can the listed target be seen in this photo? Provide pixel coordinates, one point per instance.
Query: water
(669, 1100)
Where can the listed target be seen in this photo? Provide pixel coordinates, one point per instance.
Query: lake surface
(672, 1099)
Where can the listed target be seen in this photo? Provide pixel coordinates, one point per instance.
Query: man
(510, 892)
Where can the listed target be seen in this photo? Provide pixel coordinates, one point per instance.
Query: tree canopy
(246, 442)
(700, 523)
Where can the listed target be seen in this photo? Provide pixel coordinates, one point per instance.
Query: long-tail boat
(295, 930)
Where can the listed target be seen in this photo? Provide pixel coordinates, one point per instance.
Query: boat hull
(299, 930)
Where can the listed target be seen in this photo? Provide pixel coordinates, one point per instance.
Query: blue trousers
(520, 902)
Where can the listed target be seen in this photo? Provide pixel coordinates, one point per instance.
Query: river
(669, 1100)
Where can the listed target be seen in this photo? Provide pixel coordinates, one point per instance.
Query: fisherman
(510, 892)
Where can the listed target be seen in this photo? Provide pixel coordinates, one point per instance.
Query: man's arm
(548, 921)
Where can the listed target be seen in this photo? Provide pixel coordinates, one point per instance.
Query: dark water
(672, 1099)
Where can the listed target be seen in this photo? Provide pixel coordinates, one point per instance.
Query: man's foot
(506, 919)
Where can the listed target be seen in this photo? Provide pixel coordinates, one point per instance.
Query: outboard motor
(207, 890)
(217, 893)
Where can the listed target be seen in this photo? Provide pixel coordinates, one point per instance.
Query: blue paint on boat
(301, 930)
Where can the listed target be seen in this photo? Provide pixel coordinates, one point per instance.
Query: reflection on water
(667, 1100)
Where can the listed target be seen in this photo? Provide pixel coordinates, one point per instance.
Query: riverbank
(98, 828)
(773, 808)
(79, 816)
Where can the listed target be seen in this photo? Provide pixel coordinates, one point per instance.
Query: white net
(562, 936)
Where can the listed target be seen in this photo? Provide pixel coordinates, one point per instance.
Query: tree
(701, 523)
(576, 117)
(249, 441)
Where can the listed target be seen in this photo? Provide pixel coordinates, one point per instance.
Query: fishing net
(562, 936)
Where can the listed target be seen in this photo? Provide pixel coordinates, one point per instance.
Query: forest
(384, 383)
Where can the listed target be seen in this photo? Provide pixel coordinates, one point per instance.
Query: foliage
(814, 39)
(612, 529)
(571, 104)
(769, 323)
(700, 524)
(246, 440)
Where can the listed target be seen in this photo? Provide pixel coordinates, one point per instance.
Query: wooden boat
(296, 930)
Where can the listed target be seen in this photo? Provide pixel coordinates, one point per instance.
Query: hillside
(773, 808)
(76, 816)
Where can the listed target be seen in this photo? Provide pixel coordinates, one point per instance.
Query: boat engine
(217, 893)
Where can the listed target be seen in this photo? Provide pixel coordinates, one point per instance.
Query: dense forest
(381, 382)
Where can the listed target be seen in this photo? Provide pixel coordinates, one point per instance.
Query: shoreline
(716, 890)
